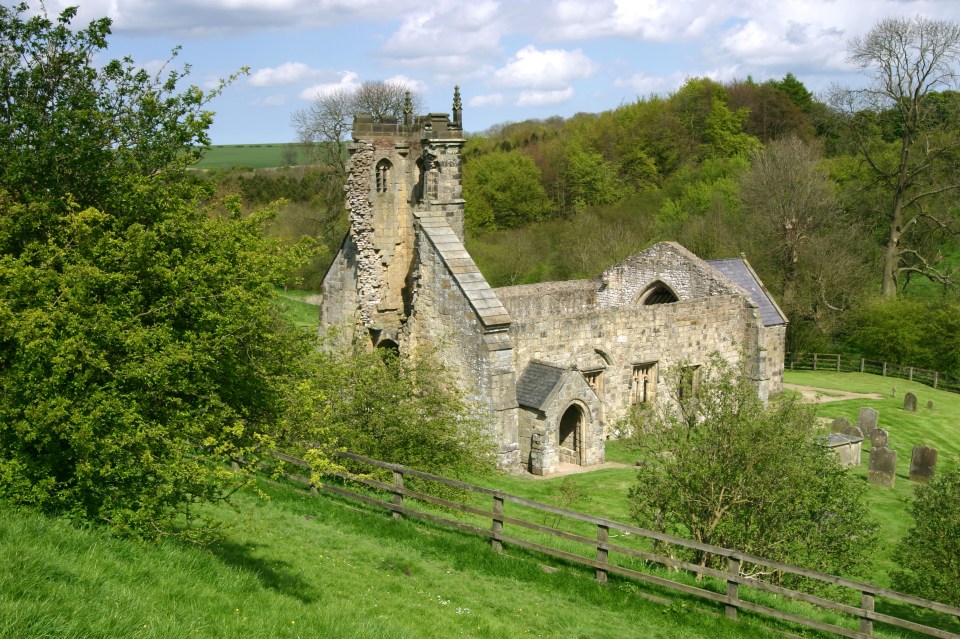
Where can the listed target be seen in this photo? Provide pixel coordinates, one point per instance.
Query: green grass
(254, 156)
(298, 566)
(938, 427)
(295, 305)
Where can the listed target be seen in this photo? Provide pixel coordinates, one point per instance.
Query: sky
(513, 59)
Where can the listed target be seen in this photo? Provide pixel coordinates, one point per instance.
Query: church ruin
(553, 365)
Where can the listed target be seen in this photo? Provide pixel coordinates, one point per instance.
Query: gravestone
(867, 421)
(842, 425)
(879, 439)
(910, 402)
(846, 447)
(883, 467)
(923, 462)
(930, 404)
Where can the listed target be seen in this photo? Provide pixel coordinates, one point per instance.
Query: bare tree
(325, 124)
(905, 130)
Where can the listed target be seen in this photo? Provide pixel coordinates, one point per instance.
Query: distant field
(254, 156)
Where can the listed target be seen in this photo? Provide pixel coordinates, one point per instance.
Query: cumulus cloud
(348, 80)
(411, 83)
(544, 98)
(286, 73)
(491, 99)
(549, 69)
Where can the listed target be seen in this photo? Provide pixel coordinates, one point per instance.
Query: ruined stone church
(552, 366)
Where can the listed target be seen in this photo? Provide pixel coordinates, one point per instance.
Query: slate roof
(536, 384)
(484, 301)
(739, 272)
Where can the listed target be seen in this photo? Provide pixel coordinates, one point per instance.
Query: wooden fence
(855, 364)
(396, 498)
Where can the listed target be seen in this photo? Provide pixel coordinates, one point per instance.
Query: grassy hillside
(296, 566)
(254, 156)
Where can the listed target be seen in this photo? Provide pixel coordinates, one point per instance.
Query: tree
(722, 468)
(503, 190)
(929, 555)
(908, 60)
(139, 345)
(323, 127)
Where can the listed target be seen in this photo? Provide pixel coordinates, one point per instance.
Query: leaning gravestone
(910, 402)
(867, 421)
(923, 462)
(883, 467)
(842, 425)
(879, 439)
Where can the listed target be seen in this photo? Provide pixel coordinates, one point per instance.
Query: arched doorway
(571, 435)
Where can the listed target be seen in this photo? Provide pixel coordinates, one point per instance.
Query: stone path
(819, 395)
(573, 469)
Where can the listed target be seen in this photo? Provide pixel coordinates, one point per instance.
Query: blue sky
(513, 59)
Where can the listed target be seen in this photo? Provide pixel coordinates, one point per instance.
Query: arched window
(383, 175)
(658, 293)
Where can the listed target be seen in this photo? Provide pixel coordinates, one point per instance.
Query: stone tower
(399, 171)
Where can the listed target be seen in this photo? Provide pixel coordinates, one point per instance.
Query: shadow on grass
(273, 573)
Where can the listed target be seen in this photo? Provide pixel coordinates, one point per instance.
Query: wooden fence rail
(856, 364)
(397, 501)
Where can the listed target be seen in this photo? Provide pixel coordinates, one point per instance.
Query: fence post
(814, 361)
(935, 375)
(496, 542)
(838, 362)
(397, 495)
(603, 534)
(911, 373)
(866, 603)
(884, 369)
(862, 362)
(733, 587)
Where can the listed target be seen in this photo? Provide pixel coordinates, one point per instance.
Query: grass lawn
(296, 566)
(296, 306)
(938, 427)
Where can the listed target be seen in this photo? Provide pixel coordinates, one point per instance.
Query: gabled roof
(738, 270)
(464, 270)
(537, 383)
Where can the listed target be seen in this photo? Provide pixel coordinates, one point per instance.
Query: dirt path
(823, 395)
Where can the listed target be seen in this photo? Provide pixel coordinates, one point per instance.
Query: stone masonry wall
(622, 338)
(370, 281)
(339, 308)
(688, 276)
(480, 362)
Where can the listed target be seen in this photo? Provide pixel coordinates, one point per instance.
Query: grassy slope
(296, 566)
(254, 156)
(938, 427)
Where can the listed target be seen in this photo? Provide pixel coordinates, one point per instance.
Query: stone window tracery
(383, 175)
(644, 382)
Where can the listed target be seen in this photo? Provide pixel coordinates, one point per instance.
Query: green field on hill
(253, 156)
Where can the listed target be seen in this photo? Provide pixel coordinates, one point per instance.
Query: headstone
(879, 439)
(867, 421)
(923, 462)
(883, 467)
(910, 402)
(843, 425)
(930, 404)
(845, 447)
(893, 392)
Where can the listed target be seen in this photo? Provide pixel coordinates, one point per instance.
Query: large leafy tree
(905, 132)
(722, 468)
(139, 348)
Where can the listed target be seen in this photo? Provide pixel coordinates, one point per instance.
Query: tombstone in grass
(883, 467)
(930, 404)
(867, 421)
(843, 425)
(879, 439)
(923, 462)
(910, 402)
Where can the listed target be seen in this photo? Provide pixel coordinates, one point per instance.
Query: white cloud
(549, 69)
(491, 99)
(543, 98)
(348, 80)
(411, 83)
(286, 73)
(271, 101)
